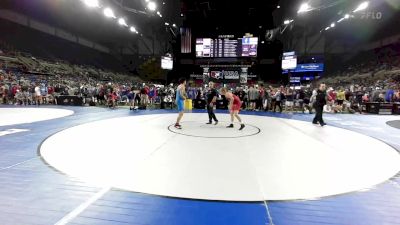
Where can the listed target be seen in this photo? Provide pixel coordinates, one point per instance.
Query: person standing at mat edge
(180, 100)
(211, 100)
(234, 107)
(320, 101)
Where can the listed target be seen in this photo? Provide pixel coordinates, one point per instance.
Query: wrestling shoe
(178, 126)
(241, 126)
(216, 123)
(230, 126)
(209, 123)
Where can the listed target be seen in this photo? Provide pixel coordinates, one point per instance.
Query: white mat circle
(288, 160)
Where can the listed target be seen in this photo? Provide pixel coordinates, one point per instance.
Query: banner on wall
(243, 78)
(225, 76)
(310, 67)
(197, 76)
(252, 77)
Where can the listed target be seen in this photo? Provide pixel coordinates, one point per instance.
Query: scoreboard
(226, 47)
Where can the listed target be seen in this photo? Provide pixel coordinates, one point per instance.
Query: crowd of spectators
(26, 80)
(341, 98)
(19, 88)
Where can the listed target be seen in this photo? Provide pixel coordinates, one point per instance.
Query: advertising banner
(225, 76)
(310, 67)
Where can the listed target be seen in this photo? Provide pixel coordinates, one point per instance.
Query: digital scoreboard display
(289, 60)
(167, 63)
(226, 47)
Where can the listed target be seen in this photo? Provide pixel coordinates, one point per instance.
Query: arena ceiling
(228, 17)
(208, 17)
(74, 16)
(362, 27)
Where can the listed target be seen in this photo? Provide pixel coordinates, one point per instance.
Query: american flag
(186, 40)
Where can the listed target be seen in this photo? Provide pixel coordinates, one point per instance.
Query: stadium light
(341, 19)
(305, 7)
(286, 22)
(361, 7)
(151, 6)
(92, 3)
(109, 13)
(122, 22)
(333, 25)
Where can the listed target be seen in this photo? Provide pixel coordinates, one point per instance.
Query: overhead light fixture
(122, 22)
(160, 15)
(327, 28)
(158, 12)
(346, 16)
(340, 20)
(361, 7)
(278, 6)
(286, 22)
(109, 13)
(92, 3)
(166, 24)
(305, 7)
(333, 25)
(151, 6)
(133, 30)
(163, 3)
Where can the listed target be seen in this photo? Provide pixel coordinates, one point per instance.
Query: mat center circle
(202, 130)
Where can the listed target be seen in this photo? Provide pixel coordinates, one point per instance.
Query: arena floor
(96, 166)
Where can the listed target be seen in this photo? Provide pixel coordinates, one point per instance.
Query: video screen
(249, 46)
(167, 63)
(289, 61)
(226, 47)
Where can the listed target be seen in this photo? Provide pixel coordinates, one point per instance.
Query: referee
(320, 101)
(211, 101)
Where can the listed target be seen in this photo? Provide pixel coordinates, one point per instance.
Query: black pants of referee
(278, 104)
(318, 115)
(211, 114)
